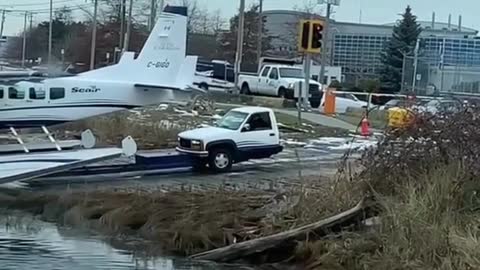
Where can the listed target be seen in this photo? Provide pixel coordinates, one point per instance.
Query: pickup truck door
(262, 80)
(272, 82)
(258, 137)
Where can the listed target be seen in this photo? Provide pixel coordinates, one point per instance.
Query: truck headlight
(197, 145)
(291, 86)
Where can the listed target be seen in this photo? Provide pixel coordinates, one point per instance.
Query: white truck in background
(215, 76)
(278, 79)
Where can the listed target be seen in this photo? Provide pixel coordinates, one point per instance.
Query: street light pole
(260, 31)
(415, 65)
(3, 23)
(402, 86)
(161, 4)
(239, 54)
(50, 31)
(324, 44)
(24, 45)
(329, 3)
(153, 12)
(122, 24)
(129, 27)
(94, 36)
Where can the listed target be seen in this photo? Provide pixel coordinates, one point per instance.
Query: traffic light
(304, 37)
(311, 36)
(317, 36)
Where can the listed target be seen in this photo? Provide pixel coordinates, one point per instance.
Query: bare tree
(309, 10)
(218, 23)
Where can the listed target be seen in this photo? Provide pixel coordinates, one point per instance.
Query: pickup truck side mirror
(246, 127)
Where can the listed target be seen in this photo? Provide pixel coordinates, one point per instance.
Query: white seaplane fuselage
(161, 73)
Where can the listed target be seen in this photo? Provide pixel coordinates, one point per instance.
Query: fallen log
(245, 249)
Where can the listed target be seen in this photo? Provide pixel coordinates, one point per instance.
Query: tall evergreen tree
(404, 39)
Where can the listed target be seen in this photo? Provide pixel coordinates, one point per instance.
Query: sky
(366, 11)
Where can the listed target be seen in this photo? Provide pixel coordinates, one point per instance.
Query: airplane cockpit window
(1, 93)
(57, 93)
(36, 93)
(15, 93)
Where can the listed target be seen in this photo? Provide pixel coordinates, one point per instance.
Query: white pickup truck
(242, 134)
(279, 81)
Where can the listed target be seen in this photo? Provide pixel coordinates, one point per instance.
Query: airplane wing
(29, 166)
(159, 87)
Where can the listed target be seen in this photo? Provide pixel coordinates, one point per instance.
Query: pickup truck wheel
(245, 89)
(220, 160)
(282, 93)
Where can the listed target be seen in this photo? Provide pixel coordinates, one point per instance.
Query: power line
(35, 4)
(79, 7)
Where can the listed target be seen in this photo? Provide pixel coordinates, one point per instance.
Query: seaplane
(161, 73)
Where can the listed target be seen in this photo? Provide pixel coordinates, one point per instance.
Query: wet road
(299, 159)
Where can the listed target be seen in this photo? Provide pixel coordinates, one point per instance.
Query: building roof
(383, 28)
(289, 12)
(441, 26)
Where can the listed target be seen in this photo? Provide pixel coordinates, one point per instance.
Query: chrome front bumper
(193, 152)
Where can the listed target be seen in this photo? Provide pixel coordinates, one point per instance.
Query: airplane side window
(1, 93)
(14, 93)
(36, 93)
(57, 93)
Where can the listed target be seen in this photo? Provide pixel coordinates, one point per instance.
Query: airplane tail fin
(161, 60)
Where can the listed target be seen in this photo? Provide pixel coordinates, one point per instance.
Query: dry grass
(183, 222)
(157, 130)
(424, 179)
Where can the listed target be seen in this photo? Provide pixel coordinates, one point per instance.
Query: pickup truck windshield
(232, 120)
(291, 73)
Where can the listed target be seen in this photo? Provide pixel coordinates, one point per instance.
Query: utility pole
(94, 35)
(260, 31)
(50, 32)
(415, 65)
(442, 65)
(239, 54)
(129, 27)
(122, 24)
(326, 36)
(161, 4)
(30, 30)
(402, 86)
(24, 44)
(3, 23)
(31, 22)
(325, 42)
(153, 13)
(306, 84)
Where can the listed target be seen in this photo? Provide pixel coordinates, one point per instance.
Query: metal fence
(432, 77)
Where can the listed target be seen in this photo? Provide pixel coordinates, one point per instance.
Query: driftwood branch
(244, 249)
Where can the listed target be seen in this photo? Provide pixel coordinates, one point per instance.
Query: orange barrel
(329, 107)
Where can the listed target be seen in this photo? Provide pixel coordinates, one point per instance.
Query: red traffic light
(317, 36)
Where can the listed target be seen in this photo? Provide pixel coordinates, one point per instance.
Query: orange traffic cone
(365, 127)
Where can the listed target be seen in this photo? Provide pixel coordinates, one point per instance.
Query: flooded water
(27, 243)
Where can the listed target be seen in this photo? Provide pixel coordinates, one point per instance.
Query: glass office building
(357, 47)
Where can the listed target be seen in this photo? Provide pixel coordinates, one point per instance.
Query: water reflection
(28, 243)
